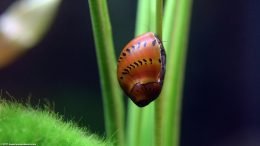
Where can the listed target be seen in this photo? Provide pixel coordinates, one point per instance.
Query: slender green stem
(112, 96)
(158, 17)
(168, 23)
(159, 101)
(137, 117)
(143, 17)
(176, 50)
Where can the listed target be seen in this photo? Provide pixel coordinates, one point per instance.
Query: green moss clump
(20, 125)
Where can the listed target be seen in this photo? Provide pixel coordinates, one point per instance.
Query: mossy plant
(22, 124)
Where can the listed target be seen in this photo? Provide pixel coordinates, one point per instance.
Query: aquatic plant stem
(158, 17)
(137, 118)
(176, 49)
(111, 93)
(159, 102)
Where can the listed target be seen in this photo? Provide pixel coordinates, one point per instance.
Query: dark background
(222, 86)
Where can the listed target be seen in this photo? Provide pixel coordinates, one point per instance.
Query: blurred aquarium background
(221, 105)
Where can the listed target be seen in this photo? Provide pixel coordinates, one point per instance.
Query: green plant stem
(159, 101)
(168, 23)
(111, 93)
(137, 117)
(176, 51)
(158, 17)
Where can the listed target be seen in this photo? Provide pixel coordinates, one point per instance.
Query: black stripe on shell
(144, 44)
(128, 50)
(140, 62)
(151, 60)
(136, 64)
(132, 65)
(154, 42)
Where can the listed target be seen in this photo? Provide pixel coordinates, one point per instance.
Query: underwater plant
(159, 122)
(24, 124)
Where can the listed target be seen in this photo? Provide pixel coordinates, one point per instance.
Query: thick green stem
(112, 96)
(137, 119)
(159, 101)
(158, 18)
(176, 39)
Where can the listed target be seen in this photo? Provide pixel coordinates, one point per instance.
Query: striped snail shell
(141, 68)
